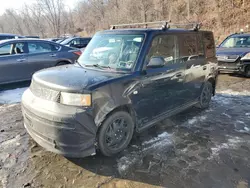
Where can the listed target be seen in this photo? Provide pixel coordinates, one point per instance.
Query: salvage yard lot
(209, 148)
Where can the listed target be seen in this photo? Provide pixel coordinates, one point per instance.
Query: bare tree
(52, 10)
(12, 14)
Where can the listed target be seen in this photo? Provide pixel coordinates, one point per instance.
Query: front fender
(107, 100)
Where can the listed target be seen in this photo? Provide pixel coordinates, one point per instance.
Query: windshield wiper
(78, 63)
(98, 66)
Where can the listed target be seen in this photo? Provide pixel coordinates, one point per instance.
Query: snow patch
(232, 143)
(227, 115)
(196, 119)
(222, 99)
(126, 162)
(232, 92)
(11, 96)
(161, 140)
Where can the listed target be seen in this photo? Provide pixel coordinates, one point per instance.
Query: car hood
(232, 51)
(72, 78)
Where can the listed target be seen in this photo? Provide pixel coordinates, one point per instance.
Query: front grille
(233, 57)
(229, 65)
(44, 93)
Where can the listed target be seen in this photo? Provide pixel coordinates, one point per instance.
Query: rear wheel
(206, 95)
(115, 133)
(247, 71)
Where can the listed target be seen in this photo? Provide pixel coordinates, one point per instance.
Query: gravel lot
(209, 148)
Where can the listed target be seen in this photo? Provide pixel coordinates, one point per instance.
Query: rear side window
(85, 41)
(39, 47)
(166, 47)
(55, 47)
(75, 42)
(191, 47)
(209, 45)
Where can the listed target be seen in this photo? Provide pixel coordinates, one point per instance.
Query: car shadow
(14, 85)
(139, 154)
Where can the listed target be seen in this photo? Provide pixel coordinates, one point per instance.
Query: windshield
(113, 51)
(66, 41)
(60, 40)
(236, 42)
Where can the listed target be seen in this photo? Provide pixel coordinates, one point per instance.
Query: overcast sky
(17, 4)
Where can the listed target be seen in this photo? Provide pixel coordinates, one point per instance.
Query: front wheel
(115, 133)
(206, 95)
(247, 71)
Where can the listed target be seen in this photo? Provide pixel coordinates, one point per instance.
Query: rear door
(193, 57)
(41, 55)
(13, 62)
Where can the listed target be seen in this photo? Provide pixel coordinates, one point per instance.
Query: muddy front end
(62, 129)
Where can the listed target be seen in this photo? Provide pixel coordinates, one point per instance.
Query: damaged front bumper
(65, 130)
(238, 67)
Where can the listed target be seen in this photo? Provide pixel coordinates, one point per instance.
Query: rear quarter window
(208, 40)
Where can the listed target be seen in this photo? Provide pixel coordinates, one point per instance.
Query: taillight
(77, 53)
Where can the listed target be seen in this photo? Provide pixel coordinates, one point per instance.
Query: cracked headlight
(75, 99)
(246, 57)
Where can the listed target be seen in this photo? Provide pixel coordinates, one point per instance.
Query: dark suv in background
(4, 36)
(76, 42)
(234, 54)
(126, 80)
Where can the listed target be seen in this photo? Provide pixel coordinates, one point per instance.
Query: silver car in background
(21, 58)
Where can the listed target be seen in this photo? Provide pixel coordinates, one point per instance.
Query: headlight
(247, 56)
(75, 99)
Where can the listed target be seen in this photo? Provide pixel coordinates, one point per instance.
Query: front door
(161, 88)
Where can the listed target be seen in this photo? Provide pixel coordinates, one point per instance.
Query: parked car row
(74, 42)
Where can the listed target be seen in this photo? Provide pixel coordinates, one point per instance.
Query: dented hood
(72, 78)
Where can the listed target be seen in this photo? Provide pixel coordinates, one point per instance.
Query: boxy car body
(126, 80)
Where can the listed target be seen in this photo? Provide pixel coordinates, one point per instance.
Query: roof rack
(164, 25)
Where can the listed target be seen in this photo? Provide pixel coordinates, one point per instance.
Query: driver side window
(164, 47)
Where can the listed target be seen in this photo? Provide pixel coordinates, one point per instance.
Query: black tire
(206, 95)
(110, 133)
(247, 71)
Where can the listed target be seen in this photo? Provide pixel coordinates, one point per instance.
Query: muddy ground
(209, 148)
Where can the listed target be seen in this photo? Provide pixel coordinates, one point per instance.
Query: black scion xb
(126, 80)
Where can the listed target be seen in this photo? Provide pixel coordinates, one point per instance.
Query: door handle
(52, 55)
(178, 75)
(21, 60)
(204, 67)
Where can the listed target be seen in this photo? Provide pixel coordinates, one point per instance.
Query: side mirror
(156, 62)
(72, 45)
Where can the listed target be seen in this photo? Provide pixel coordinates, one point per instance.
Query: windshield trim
(117, 70)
